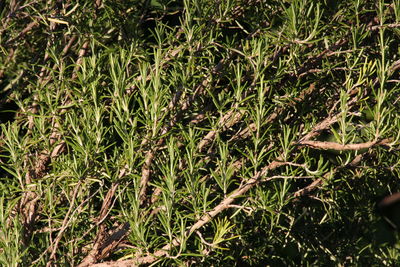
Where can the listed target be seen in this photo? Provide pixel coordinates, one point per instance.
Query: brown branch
(341, 147)
(200, 89)
(42, 73)
(225, 204)
(318, 182)
(390, 26)
(207, 217)
(6, 61)
(29, 27)
(81, 54)
(253, 127)
(314, 61)
(104, 246)
(64, 226)
(76, 210)
(107, 203)
(309, 188)
(104, 243)
(227, 121)
(6, 19)
(237, 193)
(145, 175)
(331, 119)
(126, 263)
(236, 166)
(28, 204)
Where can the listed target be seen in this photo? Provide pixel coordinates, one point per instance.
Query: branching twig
(29, 201)
(200, 89)
(318, 182)
(64, 225)
(105, 243)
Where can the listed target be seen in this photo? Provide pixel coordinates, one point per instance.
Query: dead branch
(385, 26)
(104, 244)
(341, 147)
(64, 226)
(107, 203)
(103, 247)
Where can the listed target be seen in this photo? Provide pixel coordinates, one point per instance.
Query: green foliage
(198, 132)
